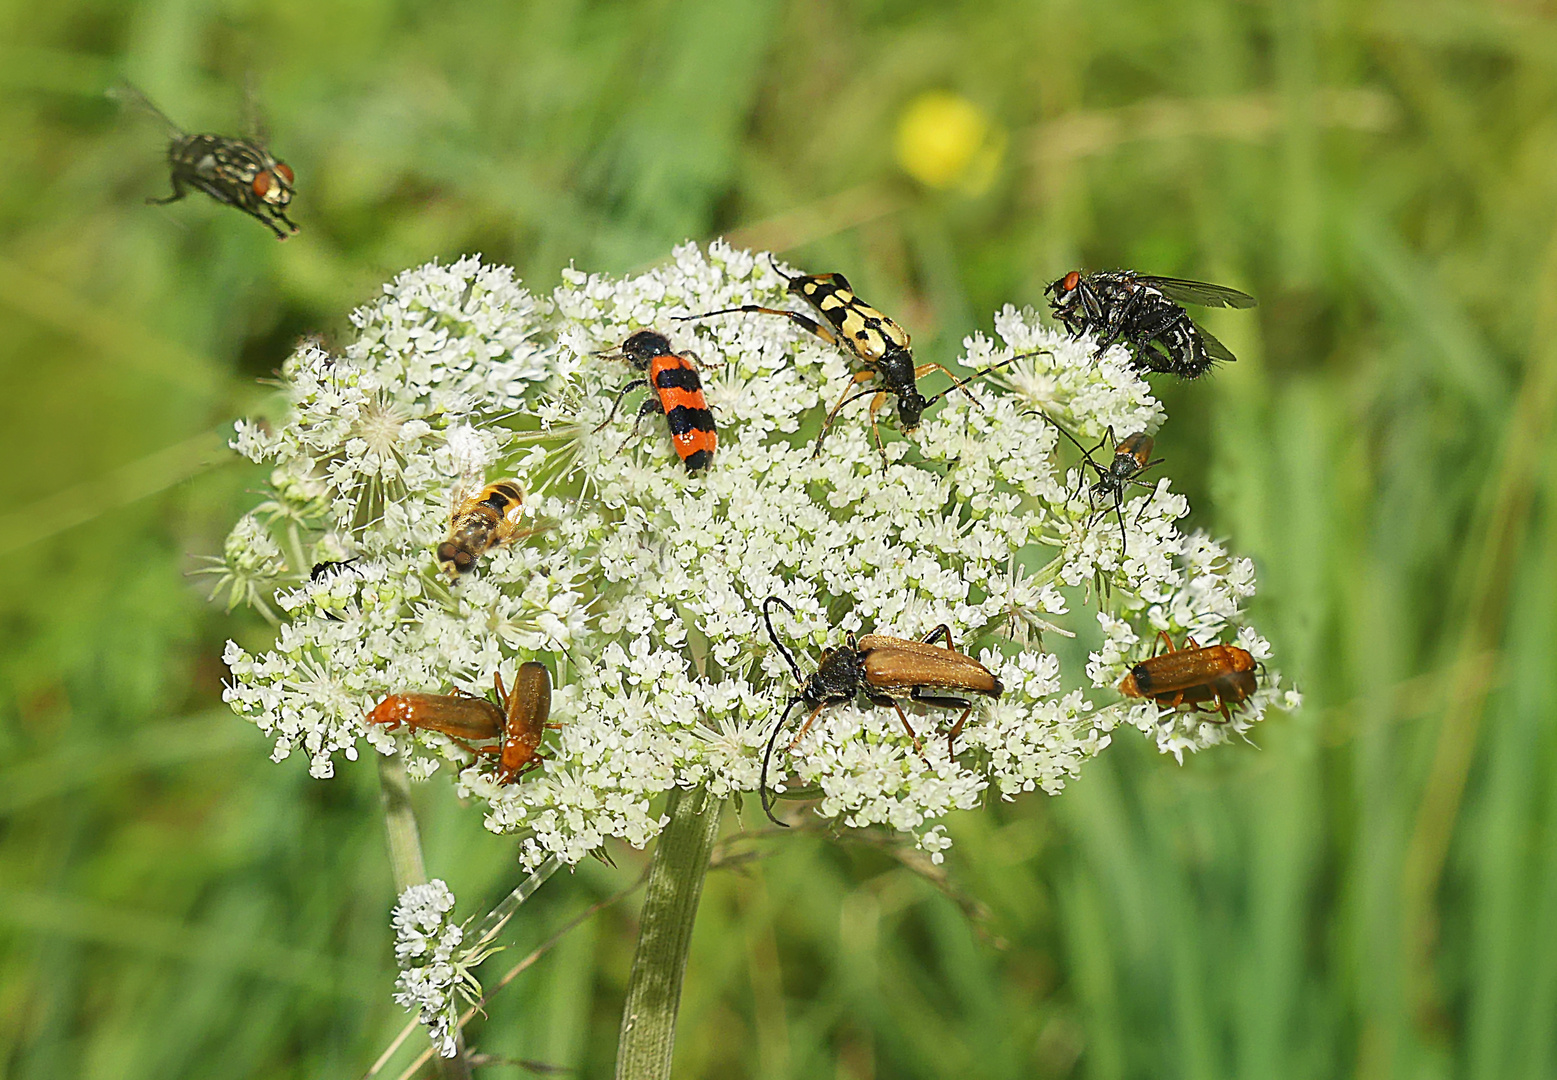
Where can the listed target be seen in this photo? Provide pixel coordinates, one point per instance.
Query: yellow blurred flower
(946, 141)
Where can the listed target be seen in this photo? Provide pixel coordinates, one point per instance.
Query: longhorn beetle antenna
(775, 638)
(767, 755)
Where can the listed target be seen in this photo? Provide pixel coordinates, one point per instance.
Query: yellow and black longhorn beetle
(880, 344)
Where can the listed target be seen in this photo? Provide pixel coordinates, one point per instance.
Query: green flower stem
(665, 931)
(405, 861)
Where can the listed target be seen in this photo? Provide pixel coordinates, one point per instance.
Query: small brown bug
(526, 709)
(1132, 457)
(520, 723)
(458, 716)
(884, 669)
(479, 524)
(1194, 675)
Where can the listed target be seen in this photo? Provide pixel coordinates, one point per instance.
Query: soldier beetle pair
(519, 724)
(884, 669)
(1194, 675)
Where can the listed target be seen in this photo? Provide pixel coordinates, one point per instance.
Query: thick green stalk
(665, 931)
(405, 861)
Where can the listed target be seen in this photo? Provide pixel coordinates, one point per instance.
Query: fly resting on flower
(1145, 312)
(884, 669)
(879, 344)
(241, 173)
(480, 523)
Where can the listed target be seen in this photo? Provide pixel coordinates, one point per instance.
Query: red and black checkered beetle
(240, 173)
(883, 669)
(677, 391)
(879, 344)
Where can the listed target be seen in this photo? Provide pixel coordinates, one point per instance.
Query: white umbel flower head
(435, 965)
(643, 593)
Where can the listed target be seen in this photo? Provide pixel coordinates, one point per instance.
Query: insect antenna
(775, 639)
(762, 787)
(960, 384)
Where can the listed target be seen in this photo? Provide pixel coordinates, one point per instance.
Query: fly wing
(128, 94)
(1200, 293)
(1214, 348)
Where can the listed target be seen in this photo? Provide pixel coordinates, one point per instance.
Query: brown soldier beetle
(883, 669)
(1194, 675)
(1132, 457)
(879, 344)
(519, 724)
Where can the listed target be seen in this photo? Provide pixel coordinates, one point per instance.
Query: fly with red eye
(241, 173)
(1146, 313)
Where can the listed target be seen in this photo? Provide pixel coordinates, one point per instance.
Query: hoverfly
(480, 523)
(1145, 312)
(241, 173)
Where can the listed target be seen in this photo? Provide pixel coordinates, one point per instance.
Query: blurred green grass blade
(86, 921)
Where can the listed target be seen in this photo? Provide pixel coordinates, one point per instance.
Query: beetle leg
(943, 629)
(859, 377)
(951, 736)
(901, 715)
(1162, 636)
(805, 727)
(875, 428)
(502, 693)
(617, 404)
(805, 322)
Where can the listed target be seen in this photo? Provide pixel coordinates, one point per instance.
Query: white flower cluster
(435, 973)
(643, 592)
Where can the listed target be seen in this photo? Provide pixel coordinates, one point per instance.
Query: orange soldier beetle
(1194, 675)
(884, 669)
(676, 391)
(879, 344)
(520, 723)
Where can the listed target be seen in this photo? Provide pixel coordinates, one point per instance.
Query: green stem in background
(405, 861)
(665, 931)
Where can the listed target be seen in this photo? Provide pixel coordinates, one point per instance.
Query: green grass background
(1371, 891)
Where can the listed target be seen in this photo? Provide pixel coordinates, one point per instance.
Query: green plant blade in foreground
(675, 887)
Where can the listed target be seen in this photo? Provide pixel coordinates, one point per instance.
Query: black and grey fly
(1145, 313)
(241, 173)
